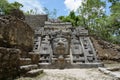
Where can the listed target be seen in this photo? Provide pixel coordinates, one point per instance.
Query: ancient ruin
(62, 46)
(50, 44)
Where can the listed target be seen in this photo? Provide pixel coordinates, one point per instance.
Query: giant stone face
(60, 46)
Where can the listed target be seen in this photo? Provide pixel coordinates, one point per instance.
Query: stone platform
(69, 66)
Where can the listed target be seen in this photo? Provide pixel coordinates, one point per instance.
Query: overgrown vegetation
(6, 7)
(51, 14)
(92, 16)
(71, 18)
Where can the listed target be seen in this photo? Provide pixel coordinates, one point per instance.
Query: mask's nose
(60, 42)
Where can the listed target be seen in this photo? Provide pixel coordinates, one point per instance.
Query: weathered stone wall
(15, 33)
(33, 58)
(9, 63)
(36, 21)
(106, 51)
(17, 13)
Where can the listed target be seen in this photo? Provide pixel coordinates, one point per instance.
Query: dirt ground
(71, 74)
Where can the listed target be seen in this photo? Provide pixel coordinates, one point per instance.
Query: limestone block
(27, 68)
(105, 71)
(15, 33)
(6, 57)
(34, 57)
(9, 68)
(25, 61)
(34, 73)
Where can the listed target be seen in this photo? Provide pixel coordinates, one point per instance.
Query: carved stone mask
(60, 45)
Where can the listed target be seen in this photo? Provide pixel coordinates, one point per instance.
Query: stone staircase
(29, 67)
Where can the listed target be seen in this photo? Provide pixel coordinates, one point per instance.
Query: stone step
(44, 63)
(27, 68)
(111, 73)
(34, 73)
(57, 59)
(114, 69)
(25, 61)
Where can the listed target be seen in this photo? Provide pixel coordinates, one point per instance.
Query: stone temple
(62, 46)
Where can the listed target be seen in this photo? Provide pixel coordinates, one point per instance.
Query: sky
(63, 7)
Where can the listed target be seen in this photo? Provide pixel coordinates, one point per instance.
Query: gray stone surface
(36, 21)
(58, 39)
(34, 73)
(25, 61)
(111, 73)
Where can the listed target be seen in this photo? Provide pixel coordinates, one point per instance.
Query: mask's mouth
(60, 49)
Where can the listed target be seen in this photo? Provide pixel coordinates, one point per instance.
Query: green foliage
(3, 5)
(51, 14)
(115, 8)
(113, 21)
(93, 17)
(61, 18)
(114, 1)
(7, 7)
(30, 12)
(70, 18)
(16, 5)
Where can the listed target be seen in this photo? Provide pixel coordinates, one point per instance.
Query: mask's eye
(64, 40)
(56, 40)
